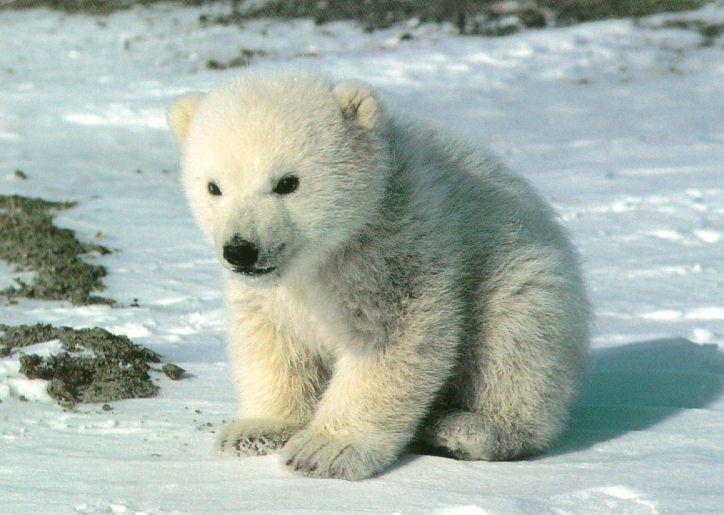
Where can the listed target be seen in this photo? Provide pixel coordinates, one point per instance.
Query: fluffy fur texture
(421, 291)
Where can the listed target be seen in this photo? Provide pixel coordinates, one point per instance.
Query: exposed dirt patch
(470, 16)
(29, 240)
(245, 58)
(485, 17)
(709, 32)
(94, 365)
(576, 11)
(94, 6)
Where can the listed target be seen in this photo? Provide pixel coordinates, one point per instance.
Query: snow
(619, 124)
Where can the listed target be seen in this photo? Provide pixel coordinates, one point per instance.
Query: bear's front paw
(317, 454)
(251, 437)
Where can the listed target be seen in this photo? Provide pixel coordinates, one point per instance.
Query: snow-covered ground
(620, 125)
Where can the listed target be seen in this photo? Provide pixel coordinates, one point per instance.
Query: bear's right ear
(357, 103)
(180, 113)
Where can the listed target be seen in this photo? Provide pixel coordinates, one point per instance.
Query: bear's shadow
(635, 386)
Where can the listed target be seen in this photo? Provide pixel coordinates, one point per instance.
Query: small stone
(106, 407)
(173, 371)
(20, 175)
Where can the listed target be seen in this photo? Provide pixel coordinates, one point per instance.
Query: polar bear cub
(385, 284)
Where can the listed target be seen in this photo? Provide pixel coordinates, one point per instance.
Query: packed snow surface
(619, 124)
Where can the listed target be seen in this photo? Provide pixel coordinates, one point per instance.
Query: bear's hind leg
(518, 373)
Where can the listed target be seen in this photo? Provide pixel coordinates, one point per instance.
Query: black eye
(214, 189)
(286, 185)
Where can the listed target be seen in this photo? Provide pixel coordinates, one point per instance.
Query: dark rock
(173, 371)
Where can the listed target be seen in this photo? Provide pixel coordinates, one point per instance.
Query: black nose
(240, 253)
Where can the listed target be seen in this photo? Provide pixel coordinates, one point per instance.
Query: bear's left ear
(357, 104)
(180, 113)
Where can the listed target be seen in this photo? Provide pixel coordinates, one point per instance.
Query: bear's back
(467, 194)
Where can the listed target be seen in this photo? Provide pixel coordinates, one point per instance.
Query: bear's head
(280, 169)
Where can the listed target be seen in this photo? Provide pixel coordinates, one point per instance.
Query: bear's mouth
(252, 272)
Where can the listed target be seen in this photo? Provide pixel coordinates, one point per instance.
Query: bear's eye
(286, 185)
(214, 189)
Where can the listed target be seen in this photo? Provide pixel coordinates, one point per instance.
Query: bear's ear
(357, 103)
(180, 113)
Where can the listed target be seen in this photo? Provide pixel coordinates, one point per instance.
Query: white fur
(422, 291)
